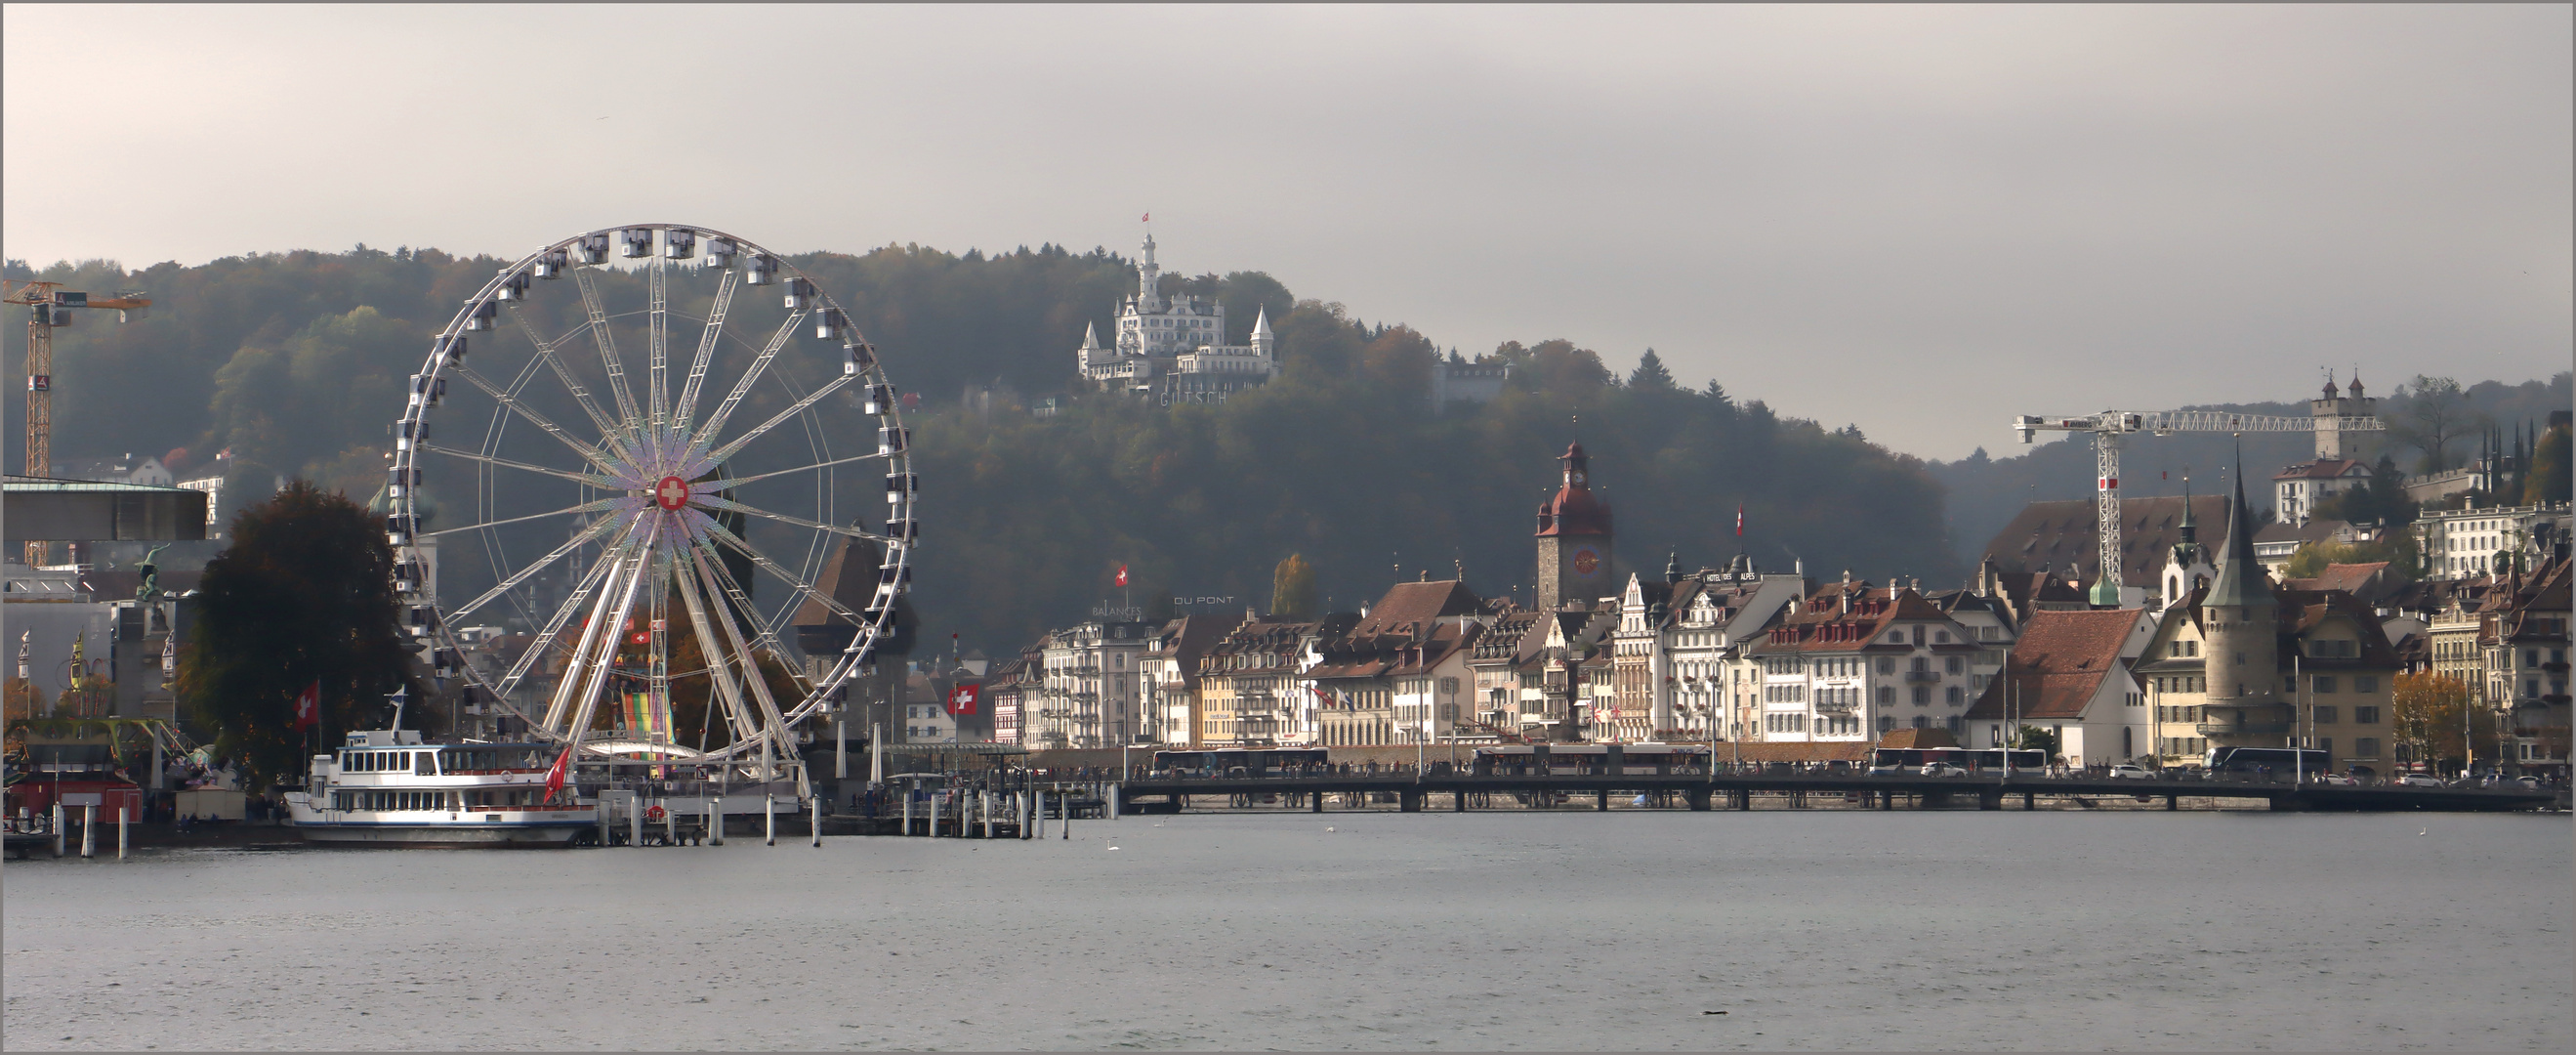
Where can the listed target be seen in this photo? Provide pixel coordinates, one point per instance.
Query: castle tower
(1149, 278)
(2330, 410)
(1573, 538)
(2241, 623)
(1263, 341)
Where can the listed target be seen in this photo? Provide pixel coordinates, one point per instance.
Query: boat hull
(444, 836)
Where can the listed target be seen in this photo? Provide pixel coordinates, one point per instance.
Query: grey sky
(1922, 220)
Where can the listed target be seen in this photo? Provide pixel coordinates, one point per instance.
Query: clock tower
(1573, 539)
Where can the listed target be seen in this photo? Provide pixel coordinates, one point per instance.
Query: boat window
(425, 763)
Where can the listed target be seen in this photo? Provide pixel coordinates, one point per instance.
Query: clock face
(1586, 562)
(1578, 477)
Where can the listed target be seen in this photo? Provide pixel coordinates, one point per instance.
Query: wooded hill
(295, 362)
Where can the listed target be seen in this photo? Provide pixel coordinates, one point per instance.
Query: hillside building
(1173, 349)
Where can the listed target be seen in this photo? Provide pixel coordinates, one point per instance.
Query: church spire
(2240, 580)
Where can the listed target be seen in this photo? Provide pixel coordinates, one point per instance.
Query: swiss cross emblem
(671, 493)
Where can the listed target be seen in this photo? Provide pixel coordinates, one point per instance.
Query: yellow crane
(50, 305)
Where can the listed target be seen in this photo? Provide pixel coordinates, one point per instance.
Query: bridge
(1702, 791)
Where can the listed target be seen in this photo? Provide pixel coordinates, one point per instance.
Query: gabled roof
(2356, 579)
(2304, 610)
(1824, 622)
(2322, 469)
(1410, 610)
(2058, 665)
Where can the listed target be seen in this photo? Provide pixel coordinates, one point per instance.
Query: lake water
(1831, 930)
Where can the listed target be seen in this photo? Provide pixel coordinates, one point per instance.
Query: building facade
(1173, 349)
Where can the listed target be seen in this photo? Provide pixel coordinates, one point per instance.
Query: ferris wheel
(679, 554)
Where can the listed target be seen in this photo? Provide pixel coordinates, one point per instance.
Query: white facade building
(1173, 349)
(2464, 543)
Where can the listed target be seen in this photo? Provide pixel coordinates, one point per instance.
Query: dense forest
(295, 363)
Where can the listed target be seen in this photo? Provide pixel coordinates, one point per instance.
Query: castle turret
(2330, 410)
(1149, 278)
(2240, 621)
(1263, 340)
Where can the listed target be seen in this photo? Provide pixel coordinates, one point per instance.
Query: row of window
(394, 800)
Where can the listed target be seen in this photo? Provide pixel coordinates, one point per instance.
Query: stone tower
(1573, 538)
(2240, 622)
(2330, 410)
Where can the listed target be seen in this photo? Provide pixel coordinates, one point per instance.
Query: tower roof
(1090, 338)
(2240, 579)
(1573, 510)
(1261, 323)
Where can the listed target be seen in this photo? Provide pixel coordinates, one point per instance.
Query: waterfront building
(1168, 677)
(2333, 669)
(2471, 542)
(1088, 696)
(2070, 673)
(1853, 661)
(1574, 539)
(1007, 694)
(1510, 691)
(1174, 349)
(2523, 638)
(2240, 624)
(1250, 683)
(1673, 644)
(1417, 630)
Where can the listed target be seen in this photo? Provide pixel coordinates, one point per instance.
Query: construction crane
(2110, 429)
(50, 305)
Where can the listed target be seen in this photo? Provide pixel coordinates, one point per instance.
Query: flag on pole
(1739, 520)
(1149, 218)
(308, 706)
(1122, 575)
(964, 698)
(555, 773)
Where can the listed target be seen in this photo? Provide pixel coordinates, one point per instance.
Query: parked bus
(1909, 760)
(1634, 759)
(1238, 761)
(2282, 761)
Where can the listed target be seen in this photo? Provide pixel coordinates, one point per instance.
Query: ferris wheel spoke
(728, 484)
(591, 479)
(588, 453)
(595, 506)
(716, 420)
(775, 725)
(597, 528)
(604, 638)
(598, 313)
(603, 597)
(718, 456)
(686, 407)
(729, 540)
(713, 502)
(580, 393)
(545, 640)
(719, 659)
(657, 345)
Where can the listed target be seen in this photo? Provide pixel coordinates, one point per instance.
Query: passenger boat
(387, 788)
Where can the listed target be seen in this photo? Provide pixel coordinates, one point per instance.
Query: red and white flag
(964, 698)
(555, 773)
(1739, 520)
(308, 706)
(1149, 218)
(1122, 575)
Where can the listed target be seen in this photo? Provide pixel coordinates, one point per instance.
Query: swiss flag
(1122, 575)
(555, 773)
(308, 706)
(962, 699)
(1739, 520)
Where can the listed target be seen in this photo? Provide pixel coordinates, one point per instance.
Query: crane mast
(49, 305)
(2111, 428)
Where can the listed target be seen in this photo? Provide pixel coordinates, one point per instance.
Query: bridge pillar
(1990, 799)
(1699, 799)
(2285, 804)
(1408, 802)
(1601, 800)
(2026, 798)
(1458, 800)
(1743, 798)
(1887, 800)
(1315, 803)
(2172, 802)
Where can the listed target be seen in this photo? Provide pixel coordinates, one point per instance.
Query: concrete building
(1089, 694)
(1852, 661)
(2467, 543)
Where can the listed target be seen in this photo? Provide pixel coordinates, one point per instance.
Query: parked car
(2419, 780)
(1943, 769)
(2125, 771)
(2526, 783)
(2337, 780)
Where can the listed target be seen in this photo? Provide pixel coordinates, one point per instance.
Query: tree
(2431, 715)
(1651, 373)
(2548, 480)
(2034, 738)
(2434, 416)
(303, 595)
(1292, 589)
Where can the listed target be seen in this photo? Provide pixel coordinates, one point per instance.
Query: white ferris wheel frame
(647, 529)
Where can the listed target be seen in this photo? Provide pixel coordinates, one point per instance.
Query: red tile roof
(2058, 664)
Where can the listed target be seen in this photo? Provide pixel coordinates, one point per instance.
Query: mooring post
(907, 810)
(670, 824)
(818, 819)
(58, 829)
(89, 824)
(635, 821)
(715, 821)
(769, 818)
(120, 831)
(1117, 800)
